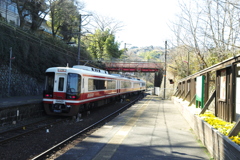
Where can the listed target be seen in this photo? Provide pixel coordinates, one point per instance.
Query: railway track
(56, 147)
(18, 132)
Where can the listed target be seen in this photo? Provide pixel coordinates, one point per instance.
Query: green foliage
(178, 64)
(102, 45)
(215, 57)
(149, 85)
(64, 19)
(111, 48)
(151, 55)
(34, 54)
(36, 9)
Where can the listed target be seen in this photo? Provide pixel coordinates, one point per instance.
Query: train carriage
(69, 91)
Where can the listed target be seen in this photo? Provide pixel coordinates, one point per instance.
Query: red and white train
(69, 91)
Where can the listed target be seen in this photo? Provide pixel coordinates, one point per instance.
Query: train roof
(88, 70)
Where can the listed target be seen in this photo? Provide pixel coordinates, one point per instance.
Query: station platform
(152, 129)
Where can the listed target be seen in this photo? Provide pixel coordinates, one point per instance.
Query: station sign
(200, 91)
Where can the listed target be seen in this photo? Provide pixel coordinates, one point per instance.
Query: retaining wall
(219, 146)
(20, 84)
(9, 115)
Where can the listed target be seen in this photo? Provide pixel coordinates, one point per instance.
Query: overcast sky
(145, 21)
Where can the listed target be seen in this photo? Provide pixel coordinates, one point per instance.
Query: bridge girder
(134, 66)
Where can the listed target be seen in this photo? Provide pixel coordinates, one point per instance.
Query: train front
(61, 95)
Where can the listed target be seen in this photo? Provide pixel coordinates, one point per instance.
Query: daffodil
(221, 125)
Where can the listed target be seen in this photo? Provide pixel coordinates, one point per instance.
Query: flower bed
(221, 125)
(218, 145)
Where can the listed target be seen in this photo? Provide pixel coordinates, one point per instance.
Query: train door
(59, 87)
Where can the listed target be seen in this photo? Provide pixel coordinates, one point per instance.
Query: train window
(60, 84)
(136, 85)
(100, 84)
(73, 83)
(125, 84)
(96, 84)
(83, 83)
(49, 81)
(110, 84)
(90, 85)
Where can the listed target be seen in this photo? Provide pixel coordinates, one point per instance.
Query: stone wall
(20, 113)
(20, 84)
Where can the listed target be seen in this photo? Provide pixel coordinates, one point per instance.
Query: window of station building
(125, 84)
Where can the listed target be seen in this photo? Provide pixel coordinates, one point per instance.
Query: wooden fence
(221, 86)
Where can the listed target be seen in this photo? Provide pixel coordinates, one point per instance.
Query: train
(69, 91)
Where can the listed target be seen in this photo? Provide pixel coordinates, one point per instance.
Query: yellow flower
(221, 125)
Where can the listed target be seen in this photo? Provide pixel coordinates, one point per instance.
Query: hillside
(140, 53)
(32, 54)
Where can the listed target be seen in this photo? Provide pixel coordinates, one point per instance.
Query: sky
(145, 21)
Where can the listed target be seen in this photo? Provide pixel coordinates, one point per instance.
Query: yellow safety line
(110, 148)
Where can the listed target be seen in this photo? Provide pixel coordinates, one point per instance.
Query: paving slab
(151, 129)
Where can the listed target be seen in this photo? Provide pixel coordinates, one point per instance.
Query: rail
(57, 146)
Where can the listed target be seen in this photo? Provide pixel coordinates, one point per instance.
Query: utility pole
(79, 39)
(165, 71)
(188, 65)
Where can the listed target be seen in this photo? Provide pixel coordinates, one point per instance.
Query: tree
(33, 8)
(209, 28)
(6, 4)
(22, 12)
(152, 55)
(37, 10)
(187, 30)
(65, 18)
(105, 23)
(182, 61)
(102, 45)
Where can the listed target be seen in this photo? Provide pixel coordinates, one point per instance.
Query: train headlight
(68, 106)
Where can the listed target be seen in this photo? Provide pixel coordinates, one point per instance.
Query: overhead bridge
(134, 66)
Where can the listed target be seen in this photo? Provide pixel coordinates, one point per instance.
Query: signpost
(200, 91)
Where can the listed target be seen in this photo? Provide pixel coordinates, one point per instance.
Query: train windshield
(73, 83)
(49, 81)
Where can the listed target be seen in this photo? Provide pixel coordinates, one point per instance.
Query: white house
(8, 11)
